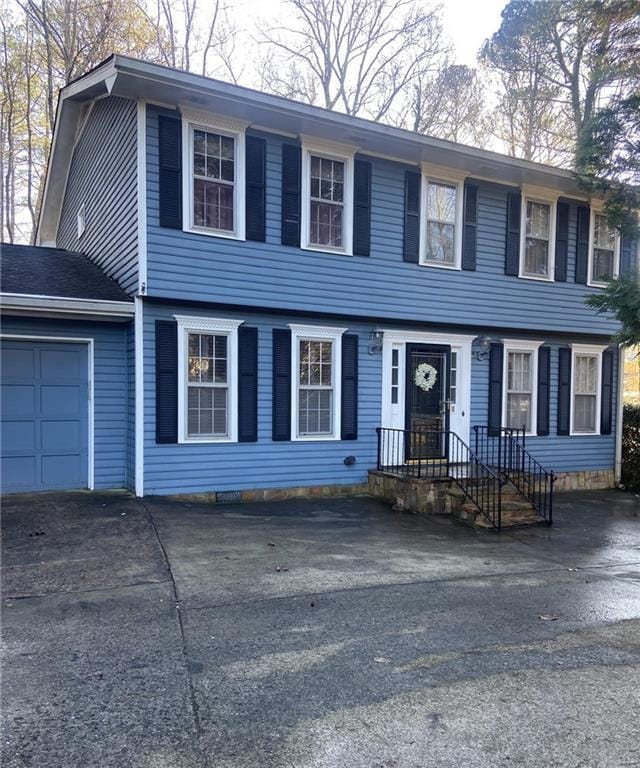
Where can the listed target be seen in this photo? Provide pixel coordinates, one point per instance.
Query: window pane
(315, 411)
(326, 224)
(584, 413)
(518, 411)
(327, 179)
(440, 242)
(206, 411)
(538, 218)
(213, 205)
(519, 372)
(603, 235)
(536, 257)
(441, 203)
(586, 375)
(602, 265)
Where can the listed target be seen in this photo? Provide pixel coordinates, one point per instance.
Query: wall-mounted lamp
(483, 346)
(376, 342)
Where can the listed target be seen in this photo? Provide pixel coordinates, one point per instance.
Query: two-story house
(289, 279)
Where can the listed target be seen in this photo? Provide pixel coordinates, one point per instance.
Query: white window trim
(438, 175)
(586, 349)
(332, 151)
(598, 209)
(316, 333)
(220, 327)
(545, 197)
(516, 345)
(192, 120)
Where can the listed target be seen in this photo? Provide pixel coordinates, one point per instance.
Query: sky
(469, 23)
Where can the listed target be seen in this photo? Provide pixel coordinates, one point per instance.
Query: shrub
(631, 447)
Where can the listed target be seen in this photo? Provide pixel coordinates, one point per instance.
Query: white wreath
(426, 376)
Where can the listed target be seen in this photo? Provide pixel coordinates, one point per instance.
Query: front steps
(444, 497)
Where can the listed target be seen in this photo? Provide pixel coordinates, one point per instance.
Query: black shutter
(544, 385)
(412, 216)
(564, 390)
(512, 246)
(606, 396)
(281, 407)
(582, 244)
(255, 176)
(170, 171)
(628, 248)
(247, 384)
(562, 241)
(349, 395)
(470, 226)
(166, 381)
(290, 227)
(362, 208)
(496, 358)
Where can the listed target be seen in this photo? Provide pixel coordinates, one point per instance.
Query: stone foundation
(589, 480)
(407, 494)
(280, 494)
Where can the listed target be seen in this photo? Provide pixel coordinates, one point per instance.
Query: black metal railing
(504, 451)
(442, 455)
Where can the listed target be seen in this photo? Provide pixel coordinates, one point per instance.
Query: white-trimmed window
(316, 378)
(441, 219)
(213, 178)
(537, 232)
(207, 379)
(327, 197)
(586, 375)
(520, 377)
(604, 250)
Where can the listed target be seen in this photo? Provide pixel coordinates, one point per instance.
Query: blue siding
(197, 468)
(202, 268)
(110, 388)
(103, 177)
(559, 453)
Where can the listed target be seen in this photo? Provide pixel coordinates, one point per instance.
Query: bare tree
(358, 56)
(451, 105)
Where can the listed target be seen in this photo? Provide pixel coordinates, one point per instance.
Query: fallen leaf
(382, 660)
(548, 617)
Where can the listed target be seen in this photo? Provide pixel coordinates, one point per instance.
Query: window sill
(586, 434)
(205, 440)
(326, 249)
(593, 284)
(214, 233)
(314, 438)
(454, 267)
(538, 278)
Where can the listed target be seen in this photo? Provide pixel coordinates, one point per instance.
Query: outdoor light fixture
(483, 345)
(376, 342)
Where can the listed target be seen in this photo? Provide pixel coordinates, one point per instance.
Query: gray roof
(37, 271)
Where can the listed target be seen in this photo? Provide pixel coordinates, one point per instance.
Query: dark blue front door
(45, 415)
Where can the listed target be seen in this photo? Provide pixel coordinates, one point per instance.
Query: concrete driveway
(317, 634)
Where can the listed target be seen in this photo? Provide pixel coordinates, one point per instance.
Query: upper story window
(585, 390)
(441, 232)
(604, 250)
(520, 376)
(326, 202)
(213, 184)
(537, 246)
(327, 197)
(207, 379)
(316, 371)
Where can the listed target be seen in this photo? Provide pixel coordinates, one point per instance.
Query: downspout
(619, 416)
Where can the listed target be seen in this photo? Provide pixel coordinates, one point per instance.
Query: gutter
(619, 416)
(26, 304)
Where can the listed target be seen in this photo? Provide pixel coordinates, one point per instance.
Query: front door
(427, 400)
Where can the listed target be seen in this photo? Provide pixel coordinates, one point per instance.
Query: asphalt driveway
(317, 634)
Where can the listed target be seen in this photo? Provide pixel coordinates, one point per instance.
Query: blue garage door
(45, 415)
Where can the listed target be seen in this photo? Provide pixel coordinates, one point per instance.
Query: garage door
(45, 415)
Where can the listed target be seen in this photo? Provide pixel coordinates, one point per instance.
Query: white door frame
(393, 414)
(71, 340)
